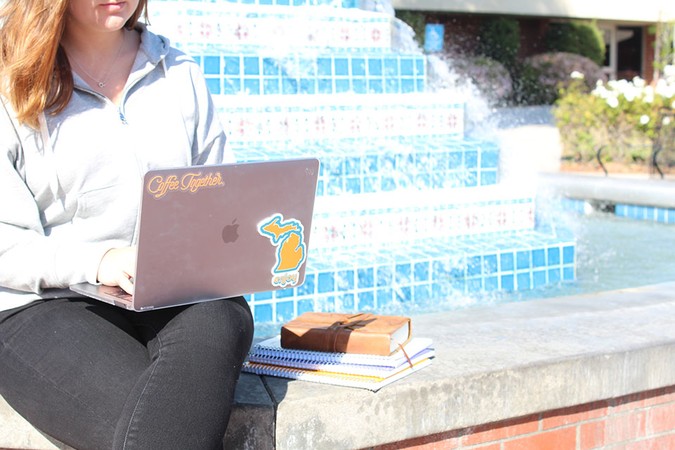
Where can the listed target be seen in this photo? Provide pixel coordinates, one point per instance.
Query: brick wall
(639, 421)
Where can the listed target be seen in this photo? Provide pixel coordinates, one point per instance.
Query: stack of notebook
(339, 366)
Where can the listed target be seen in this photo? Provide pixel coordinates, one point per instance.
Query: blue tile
(307, 86)
(474, 266)
(375, 87)
(214, 85)
(359, 86)
(284, 293)
(325, 86)
(365, 277)
(490, 264)
(375, 67)
(324, 67)
(263, 296)
(506, 262)
(553, 256)
(391, 86)
(568, 254)
(422, 294)
(523, 281)
(538, 258)
(407, 67)
(491, 283)
(347, 302)
(489, 160)
(370, 184)
(407, 86)
(507, 282)
(342, 86)
(307, 288)
(554, 276)
(353, 185)
(421, 271)
(270, 67)
(366, 300)
(384, 297)
(488, 178)
(231, 86)
(539, 278)
(471, 159)
(252, 86)
(271, 86)
(391, 67)
(403, 273)
(358, 67)
(306, 305)
(341, 67)
(568, 274)
(262, 313)
(384, 276)
(284, 311)
(474, 285)
(211, 65)
(471, 179)
(522, 260)
(403, 294)
(326, 282)
(289, 86)
(251, 65)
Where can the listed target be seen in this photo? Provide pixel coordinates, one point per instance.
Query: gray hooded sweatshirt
(70, 191)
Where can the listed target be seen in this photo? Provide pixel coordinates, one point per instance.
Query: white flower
(613, 102)
(576, 75)
(644, 119)
(666, 121)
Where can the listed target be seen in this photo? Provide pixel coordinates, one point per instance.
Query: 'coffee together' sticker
(160, 185)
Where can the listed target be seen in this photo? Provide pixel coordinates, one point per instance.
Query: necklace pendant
(101, 84)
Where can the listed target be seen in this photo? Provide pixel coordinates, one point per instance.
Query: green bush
(541, 76)
(626, 119)
(500, 40)
(581, 38)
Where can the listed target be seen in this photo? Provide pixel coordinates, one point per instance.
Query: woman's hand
(118, 268)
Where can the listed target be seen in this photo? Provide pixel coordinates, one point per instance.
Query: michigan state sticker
(289, 238)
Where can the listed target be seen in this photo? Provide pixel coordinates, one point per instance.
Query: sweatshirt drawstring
(48, 151)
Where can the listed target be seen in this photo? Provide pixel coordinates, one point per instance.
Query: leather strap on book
(359, 320)
(405, 354)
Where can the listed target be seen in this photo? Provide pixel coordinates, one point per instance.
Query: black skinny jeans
(95, 376)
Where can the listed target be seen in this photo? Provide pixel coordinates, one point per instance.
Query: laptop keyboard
(118, 292)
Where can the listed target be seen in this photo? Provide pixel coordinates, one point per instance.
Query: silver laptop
(212, 232)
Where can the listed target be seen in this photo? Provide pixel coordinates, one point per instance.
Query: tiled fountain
(411, 214)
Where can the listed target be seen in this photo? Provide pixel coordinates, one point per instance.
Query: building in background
(628, 27)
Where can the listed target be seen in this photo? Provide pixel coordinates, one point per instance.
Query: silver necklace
(101, 84)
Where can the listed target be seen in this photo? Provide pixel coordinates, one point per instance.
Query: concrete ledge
(492, 364)
(632, 191)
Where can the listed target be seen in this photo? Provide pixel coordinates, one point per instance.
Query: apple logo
(231, 232)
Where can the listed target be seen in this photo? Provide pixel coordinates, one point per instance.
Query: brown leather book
(346, 333)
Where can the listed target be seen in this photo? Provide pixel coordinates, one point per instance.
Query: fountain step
(361, 166)
(380, 219)
(310, 73)
(422, 274)
(246, 26)
(354, 118)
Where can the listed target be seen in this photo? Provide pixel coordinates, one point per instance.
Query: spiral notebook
(344, 369)
(372, 383)
(271, 351)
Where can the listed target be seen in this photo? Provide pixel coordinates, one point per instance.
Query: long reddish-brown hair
(35, 74)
